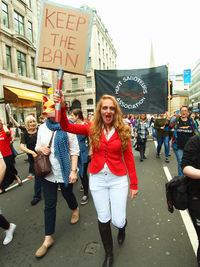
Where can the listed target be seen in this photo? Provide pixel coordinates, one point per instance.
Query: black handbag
(42, 165)
(177, 193)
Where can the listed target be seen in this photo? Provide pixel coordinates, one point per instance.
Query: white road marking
(15, 185)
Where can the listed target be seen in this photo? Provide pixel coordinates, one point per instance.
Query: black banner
(138, 91)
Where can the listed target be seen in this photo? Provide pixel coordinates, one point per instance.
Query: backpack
(177, 193)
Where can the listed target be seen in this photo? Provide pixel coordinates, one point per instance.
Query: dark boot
(106, 237)
(121, 234)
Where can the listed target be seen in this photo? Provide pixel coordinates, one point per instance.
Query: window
(32, 68)
(75, 83)
(99, 63)
(99, 49)
(28, 2)
(19, 23)
(8, 58)
(90, 101)
(89, 82)
(5, 15)
(21, 62)
(89, 64)
(30, 31)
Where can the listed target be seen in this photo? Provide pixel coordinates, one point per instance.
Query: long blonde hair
(97, 125)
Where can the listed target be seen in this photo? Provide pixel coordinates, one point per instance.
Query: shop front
(23, 102)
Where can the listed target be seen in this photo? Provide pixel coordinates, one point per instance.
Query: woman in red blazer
(112, 158)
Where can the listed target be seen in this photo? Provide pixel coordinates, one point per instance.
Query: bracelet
(73, 170)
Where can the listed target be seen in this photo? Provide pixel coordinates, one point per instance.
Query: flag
(138, 91)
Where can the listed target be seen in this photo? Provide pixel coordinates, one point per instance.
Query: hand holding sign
(8, 109)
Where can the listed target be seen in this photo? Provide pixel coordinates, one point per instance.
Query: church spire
(152, 61)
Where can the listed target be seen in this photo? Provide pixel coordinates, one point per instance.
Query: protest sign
(64, 38)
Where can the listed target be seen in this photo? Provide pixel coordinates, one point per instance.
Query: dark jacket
(191, 157)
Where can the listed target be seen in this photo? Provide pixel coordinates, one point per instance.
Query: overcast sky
(173, 26)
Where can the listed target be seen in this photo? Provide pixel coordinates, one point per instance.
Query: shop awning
(25, 94)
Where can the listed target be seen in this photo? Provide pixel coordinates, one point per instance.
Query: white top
(43, 139)
(1, 156)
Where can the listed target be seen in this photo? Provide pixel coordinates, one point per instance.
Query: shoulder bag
(42, 165)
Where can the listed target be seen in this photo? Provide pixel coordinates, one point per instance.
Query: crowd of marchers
(98, 150)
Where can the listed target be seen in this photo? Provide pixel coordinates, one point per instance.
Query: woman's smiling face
(107, 112)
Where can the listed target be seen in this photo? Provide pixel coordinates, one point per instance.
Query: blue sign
(187, 76)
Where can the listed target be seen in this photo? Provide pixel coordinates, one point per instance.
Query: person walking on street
(184, 129)
(11, 172)
(27, 145)
(8, 227)
(161, 125)
(83, 160)
(112, 157)
(63, 156)
(141, 133)
(191, 168)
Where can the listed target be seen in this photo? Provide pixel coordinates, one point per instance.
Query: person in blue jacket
(83, 160)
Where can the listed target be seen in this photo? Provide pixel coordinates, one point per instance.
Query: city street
(154, 237)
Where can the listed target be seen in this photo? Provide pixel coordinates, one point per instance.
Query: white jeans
(109, 194)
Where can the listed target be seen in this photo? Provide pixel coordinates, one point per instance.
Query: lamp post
(192, 104)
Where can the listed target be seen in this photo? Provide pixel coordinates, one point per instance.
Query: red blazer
(110, 152)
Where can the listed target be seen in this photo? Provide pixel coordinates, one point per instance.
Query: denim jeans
(37, 188)
(179, 155)
(164, 140)
(50, 198)
(31, 164)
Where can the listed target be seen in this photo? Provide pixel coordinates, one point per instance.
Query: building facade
(21, 83)
(180, 94)
(194, 91)
(79, 90)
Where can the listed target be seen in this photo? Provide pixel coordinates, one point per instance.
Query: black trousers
(84, 179)
(4, 223)
(50, 198)
(142, 145)
(194, 211)
(10, 172)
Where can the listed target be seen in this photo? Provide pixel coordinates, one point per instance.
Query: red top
(5, 140)
(110, 152)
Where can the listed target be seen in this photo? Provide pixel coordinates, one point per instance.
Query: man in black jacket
(191, 167)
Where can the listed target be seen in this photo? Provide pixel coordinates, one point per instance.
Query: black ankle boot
(121, 234)
(106, 237)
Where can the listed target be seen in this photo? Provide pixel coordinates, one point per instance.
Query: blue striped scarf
(61, 149)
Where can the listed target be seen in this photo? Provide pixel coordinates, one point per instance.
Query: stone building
(21, 84)
(194, 92)
(79, 90)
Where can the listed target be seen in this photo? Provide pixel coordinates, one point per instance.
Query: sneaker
(84, 200)
(167, 160)
(9, 234)
(157, 156)
(81, 188)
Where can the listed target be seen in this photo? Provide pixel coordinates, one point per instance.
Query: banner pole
(168, 98)
(58, 90)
